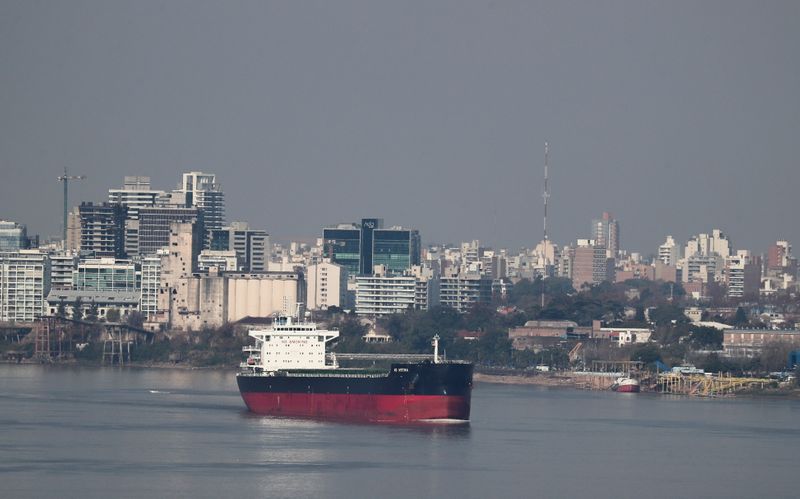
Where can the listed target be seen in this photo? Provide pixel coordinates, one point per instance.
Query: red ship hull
(362, 407)
(628, 389)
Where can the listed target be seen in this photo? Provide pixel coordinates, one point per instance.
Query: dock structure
(617, 366)
(51, 340)
(118, 339)
(706, 386)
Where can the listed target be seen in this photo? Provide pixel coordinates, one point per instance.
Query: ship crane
(65, 179)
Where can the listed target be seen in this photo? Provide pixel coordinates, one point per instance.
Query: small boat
(626, 385)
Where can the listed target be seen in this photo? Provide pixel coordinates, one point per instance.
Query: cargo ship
(288, 372)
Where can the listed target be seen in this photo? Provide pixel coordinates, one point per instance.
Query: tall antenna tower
(545, 195)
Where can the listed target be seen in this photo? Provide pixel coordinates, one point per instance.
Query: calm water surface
(80, 432)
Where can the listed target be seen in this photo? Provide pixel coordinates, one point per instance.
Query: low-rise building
(79, 303)
(751, 342)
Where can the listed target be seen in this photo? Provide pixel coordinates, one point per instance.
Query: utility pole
(65, 179)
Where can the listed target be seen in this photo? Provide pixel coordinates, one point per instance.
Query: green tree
(706, 338)
(646, 352)
(136, 319)
(91, 314)
(740, 319)
(77, 309)
(112, 315)
(62, 309)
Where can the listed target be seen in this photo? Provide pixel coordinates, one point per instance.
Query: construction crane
(65, 179)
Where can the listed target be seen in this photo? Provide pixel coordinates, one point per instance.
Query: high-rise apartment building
(605, 232)
(591, 264)
(380, 294)
(743, 274)
(669, 253)
(251, 245)
(103, 229)
(202, 191)
(24, 285)
(151, 276)
(326, 286)
(62, 266)
(462, 291)
(704, 244)
(136, 193)
(155, 222)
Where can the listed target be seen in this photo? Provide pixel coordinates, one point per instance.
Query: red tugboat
(287, 373)
(626, 385)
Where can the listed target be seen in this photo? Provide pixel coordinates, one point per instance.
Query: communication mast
(545, 195)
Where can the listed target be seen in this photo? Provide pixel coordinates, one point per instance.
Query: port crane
(65, 179)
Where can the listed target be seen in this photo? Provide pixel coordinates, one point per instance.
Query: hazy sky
(678, 117)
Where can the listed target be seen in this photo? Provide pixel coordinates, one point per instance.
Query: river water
(83, 432)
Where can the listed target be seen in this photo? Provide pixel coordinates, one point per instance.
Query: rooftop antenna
(546, 195)
(65, 179)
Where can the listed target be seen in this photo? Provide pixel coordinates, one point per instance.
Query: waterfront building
(24, 284)
(187, 300)
(81, 303)
(105, 274)
(103, 229)
(251, 245)
(360, 247)
(327, 285)
(150, 281)
(13, 236)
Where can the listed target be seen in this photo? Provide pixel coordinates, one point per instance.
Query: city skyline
(431, 116)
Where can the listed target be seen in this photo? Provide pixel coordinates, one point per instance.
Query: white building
(151, 275)
(222, 260)
(381, 294)
(136, 193)
(124, 302)
(24, 284)
(62, 266)
(326, 286)
(669, 253)
(706, 245)
(201, 190)
(743, 274)
(462, 291)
